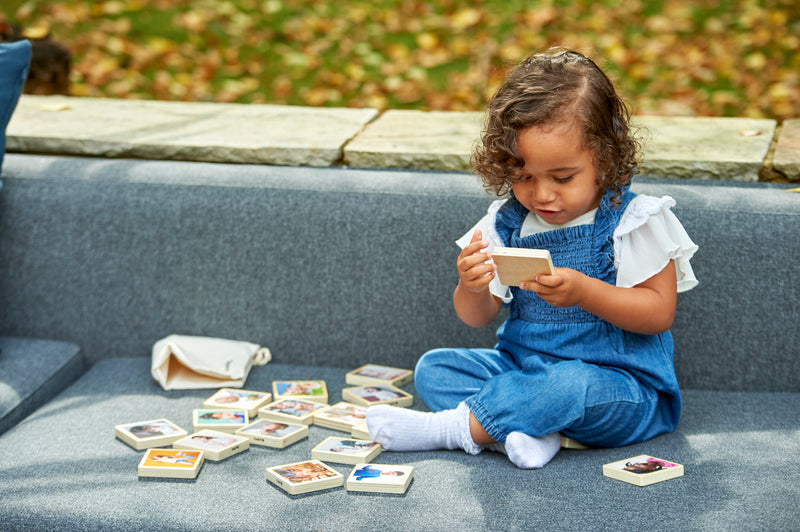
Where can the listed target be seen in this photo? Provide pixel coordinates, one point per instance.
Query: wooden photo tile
(171, 463)
(146, 434)
(236, 399)
(291, 411)
(379, 394)
(215, 445)
(304, 477)
(341, 416)
(314, 391)
(277, 434)
(515, 265)
(360, 431)
(381, 478)
(369, 374)
(643, 470)
(221, 419)
(346, 450)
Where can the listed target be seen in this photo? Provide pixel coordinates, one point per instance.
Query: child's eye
(565, 179)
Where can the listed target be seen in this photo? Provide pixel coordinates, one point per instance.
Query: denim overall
(561, 369)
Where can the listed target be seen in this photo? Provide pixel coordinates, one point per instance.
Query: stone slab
(684, 147)
(437, 140)
(210, 132)
(704, 147)
(787, 150)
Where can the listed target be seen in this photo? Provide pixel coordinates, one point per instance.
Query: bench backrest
(341, 267)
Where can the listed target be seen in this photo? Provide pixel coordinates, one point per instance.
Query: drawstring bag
(192, 362)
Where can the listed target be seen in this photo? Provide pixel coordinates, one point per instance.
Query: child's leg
(597, 406)
(524, 410)
(401, 429)
(446, 377)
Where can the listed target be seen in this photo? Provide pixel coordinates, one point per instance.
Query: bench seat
(33, 371)
(64, 469)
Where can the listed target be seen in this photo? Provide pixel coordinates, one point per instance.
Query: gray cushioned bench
(336, 267)
(33, 371)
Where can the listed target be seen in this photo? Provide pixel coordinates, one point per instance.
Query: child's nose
(542, 191)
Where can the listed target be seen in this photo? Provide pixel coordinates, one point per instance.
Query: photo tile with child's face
(221, 417)
(346, 412)
(265, 427)
(347, 446)
(152, 429)
(233, 398)
(377, 393)
(293, 407)
(380, 372)
(301, 472)
(380, 474)
(211, 440)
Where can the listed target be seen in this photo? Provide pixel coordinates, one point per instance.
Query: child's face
(560, 176)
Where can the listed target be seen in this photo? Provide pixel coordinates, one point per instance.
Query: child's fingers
(475, 245)
(479, 270)
(478, 278)
(471, 257)
(542, 283)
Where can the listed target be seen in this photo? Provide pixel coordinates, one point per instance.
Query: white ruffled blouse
(647, 237)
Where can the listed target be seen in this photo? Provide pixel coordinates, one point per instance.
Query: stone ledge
(417, 139)
(260, 134)
(703, 147)
(787, 150)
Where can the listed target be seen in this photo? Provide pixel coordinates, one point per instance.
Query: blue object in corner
(15, 60)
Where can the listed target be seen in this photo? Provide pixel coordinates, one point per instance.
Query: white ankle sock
(529, 452)
(401, 429)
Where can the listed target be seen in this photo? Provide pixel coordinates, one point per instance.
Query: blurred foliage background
(675, 57)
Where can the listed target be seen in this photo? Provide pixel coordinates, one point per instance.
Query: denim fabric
(557, 369)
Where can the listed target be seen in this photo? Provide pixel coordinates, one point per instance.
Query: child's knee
(439, 381)
(429, 372)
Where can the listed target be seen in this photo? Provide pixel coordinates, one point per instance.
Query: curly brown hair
(558, 86)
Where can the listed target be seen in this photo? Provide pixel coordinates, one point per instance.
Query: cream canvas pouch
(192, 362)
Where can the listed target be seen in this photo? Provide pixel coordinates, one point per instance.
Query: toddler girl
(585, 352)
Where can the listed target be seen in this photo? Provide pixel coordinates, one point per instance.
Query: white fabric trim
(648, 236)
(486, 225)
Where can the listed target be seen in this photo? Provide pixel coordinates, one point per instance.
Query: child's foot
(401, 429)
(528, 452)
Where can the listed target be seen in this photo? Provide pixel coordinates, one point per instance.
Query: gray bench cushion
(31, 373)
(63, 468)
(326, 266)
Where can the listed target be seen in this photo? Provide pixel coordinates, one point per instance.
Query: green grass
(719, 58)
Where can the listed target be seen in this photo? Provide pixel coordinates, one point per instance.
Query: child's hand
(473, 270)
(562, 289)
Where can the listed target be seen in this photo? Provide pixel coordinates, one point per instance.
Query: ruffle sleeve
(648, 236)
(486, 225)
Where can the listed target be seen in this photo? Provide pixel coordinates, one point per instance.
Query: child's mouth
(546, 215)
